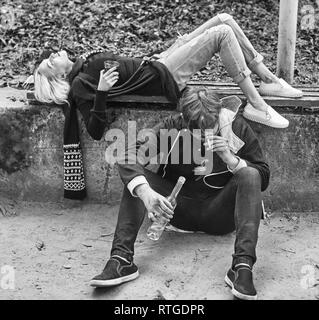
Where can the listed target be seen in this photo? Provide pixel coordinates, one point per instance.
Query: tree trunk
(287, 39)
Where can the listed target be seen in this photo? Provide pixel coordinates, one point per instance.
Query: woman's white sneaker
(269, 118)
(279, 89)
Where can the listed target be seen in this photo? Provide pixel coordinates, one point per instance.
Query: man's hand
(156, 205)
(220, 146)
(107, 79)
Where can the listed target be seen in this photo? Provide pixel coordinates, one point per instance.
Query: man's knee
(224, 17)
(248, 176)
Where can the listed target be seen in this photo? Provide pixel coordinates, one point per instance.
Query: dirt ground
(56, 249)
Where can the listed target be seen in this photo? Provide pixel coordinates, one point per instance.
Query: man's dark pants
(235, 207)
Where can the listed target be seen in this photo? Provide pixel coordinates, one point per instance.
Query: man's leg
(238, 206)
(131, 216)
(120, 267)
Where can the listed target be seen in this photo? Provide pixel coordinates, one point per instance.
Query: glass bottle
(156, 229)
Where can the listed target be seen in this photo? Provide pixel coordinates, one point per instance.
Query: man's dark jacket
(251, 152)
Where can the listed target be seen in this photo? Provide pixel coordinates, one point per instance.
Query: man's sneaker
(240, 280)
(279, 89)
(116, 271)
(269, 118)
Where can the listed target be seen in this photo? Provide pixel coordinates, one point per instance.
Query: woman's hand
(107, 79)
(156, 205)
(220, 146)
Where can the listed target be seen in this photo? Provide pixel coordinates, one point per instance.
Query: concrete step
(31, 157)
(309, 102)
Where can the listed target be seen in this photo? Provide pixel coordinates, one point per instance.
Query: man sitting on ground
(221, 194)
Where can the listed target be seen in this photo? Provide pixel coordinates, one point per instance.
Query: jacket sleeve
(137, 156)
(93, 113)
(253, 155)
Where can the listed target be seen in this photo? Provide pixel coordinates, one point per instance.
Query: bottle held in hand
(156, 229)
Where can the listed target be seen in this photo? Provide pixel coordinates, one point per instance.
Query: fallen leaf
(159, 296)
(168, 283)
(40, 245)
(87, 245)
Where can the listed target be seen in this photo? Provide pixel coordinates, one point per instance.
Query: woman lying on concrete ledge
(85, 84)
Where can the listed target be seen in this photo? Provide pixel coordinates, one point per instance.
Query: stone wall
(31, 157)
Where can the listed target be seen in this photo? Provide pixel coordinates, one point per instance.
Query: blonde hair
(200, 107)
(49, 88)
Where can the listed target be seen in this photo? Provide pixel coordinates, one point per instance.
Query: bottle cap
(181, 179)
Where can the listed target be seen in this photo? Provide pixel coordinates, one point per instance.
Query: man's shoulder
(241, 127)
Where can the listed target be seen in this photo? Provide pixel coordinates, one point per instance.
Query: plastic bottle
(156, 229)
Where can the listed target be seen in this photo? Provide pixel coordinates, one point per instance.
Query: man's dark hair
(200, 108)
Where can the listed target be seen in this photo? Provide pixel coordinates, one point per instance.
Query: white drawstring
(213, 174)
(164, 169)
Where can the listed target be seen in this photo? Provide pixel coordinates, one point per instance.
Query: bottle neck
(177, 188)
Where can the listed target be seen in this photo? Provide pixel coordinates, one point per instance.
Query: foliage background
(138, 28)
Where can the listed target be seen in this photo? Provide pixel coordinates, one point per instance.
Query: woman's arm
(94, 116)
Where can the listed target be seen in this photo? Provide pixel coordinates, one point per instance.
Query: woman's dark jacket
(136, 76)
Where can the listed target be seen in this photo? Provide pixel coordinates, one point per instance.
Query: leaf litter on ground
(139, 28)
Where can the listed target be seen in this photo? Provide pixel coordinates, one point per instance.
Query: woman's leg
(181, 40)
(184, 61)
(252, 57)
(251, 93)
(271, 84)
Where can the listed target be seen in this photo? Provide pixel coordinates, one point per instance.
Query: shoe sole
(265, 93)
(251, 118)
(238, 294)
(113, 282)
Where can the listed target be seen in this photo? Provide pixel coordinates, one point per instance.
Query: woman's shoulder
(76, 84)
(82, 88)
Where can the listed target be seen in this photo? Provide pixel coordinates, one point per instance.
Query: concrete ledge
(31, 156)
